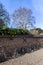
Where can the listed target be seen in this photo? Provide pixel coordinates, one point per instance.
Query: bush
(12, 31)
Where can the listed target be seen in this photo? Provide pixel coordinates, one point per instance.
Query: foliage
(39, 30)
(14, 31)
(1, 23)
(23, 18)
(4, 16)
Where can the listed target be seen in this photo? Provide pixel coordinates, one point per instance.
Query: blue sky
(38, 12)
(11, 5)
(35, 5)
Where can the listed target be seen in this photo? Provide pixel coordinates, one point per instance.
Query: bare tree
(23, 18)
(4, 16)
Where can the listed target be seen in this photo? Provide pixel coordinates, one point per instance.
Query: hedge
(14, 31)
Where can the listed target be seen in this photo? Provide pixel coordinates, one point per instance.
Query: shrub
(14, 31)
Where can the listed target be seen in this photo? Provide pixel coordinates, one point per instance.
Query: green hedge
(14, 31)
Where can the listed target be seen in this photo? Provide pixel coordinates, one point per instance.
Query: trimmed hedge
(14, 31)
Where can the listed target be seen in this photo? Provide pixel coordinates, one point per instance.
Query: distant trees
(23, 18)
(39, 30)
(4, 16)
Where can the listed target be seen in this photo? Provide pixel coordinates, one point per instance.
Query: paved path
(35, 58)
(40, 63)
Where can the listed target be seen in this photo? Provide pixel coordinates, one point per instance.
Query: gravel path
(40, 63)
(35, 58)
